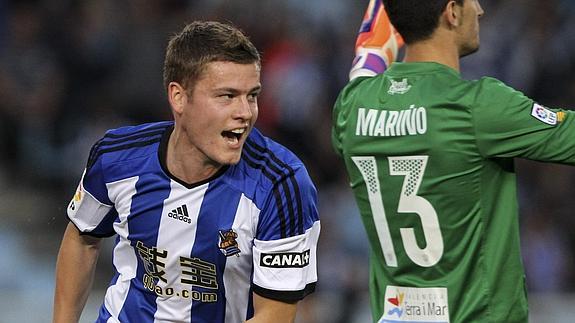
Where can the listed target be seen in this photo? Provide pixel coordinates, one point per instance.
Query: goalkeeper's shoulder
(353, 89)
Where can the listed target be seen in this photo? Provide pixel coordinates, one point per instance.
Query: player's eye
(252, 97)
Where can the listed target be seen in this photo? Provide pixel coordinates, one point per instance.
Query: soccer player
(430, 161)
(214, 222)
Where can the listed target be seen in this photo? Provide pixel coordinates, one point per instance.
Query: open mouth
(233, 136)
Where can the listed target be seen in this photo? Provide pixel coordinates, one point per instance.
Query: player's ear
(177, 97)
(452, 13)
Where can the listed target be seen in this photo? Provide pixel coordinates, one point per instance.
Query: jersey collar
(402, 68)
(162, 156)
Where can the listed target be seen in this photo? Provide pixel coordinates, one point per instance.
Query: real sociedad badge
(228, 244)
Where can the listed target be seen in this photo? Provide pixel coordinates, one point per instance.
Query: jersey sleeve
(509, 124)
(284, 251)
(342, 114)
(91, 210)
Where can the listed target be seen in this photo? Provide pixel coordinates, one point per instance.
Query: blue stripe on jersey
(279, 173)
(217, 212)
(128, 143)
(143, 223)
(139, 142)
(127, 137)
(103, 316)
(295, 186)
(274, 179)
(284, 172)
(131, 130)
(113, 138)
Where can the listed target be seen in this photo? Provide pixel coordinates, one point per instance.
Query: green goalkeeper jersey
(430, 160)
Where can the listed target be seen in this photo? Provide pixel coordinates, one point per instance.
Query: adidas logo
(180, 213)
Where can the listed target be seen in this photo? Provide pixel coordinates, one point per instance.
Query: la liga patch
(544, 115)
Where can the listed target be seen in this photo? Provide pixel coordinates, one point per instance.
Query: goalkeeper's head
(419, 21)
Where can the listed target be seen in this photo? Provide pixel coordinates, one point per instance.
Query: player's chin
(230, 152)
(231, 158)
(468, 50)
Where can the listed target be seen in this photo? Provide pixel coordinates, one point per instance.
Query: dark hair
(203, 42)
(416, 20)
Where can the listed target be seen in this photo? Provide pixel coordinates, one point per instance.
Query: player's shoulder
(360, 83)
(488, 83)
(489, 90)
(492, 85)
(128, 142)
(269, 161)
(141, 129)
(357, 90)
(259, 147)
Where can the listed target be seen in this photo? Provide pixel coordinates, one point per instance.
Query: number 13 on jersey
(412, 168)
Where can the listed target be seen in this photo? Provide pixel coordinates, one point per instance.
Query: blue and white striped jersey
(196, 253)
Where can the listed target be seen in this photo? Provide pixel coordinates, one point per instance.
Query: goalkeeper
(430, 158)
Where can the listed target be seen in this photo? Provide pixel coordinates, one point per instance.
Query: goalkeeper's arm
(377, 43)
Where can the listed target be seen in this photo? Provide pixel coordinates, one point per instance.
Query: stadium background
(71, 69)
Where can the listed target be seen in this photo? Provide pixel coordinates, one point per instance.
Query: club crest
(228, 244)
(399, 87)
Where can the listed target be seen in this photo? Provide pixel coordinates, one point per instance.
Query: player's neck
(185, 162)
(433, 50)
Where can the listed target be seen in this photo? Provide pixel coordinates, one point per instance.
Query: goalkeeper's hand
(377, 44)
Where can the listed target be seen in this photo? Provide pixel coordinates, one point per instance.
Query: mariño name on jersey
(391, 123)
(285, 260)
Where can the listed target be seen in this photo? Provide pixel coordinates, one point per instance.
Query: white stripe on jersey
(112, 320)
(238, 269)
(288, 278)
(178, 237)
(121, 192)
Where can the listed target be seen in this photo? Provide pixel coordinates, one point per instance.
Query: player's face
(469, 43)
(221, 111)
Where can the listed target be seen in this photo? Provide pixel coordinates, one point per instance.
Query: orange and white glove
(377, 44)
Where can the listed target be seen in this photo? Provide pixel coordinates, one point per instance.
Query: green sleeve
(336, 127)
(342, 112)
(507, 125)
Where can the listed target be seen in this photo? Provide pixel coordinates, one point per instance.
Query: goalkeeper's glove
(377, 44)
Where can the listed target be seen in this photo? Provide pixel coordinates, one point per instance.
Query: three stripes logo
(180, 213)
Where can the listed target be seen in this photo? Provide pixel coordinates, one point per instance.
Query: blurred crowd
(71, 69)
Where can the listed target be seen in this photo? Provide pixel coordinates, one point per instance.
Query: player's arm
(509, 124)
(74, 274)
(285, 248)
(269, 310)
(93, 214)
(377, 43)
